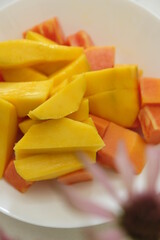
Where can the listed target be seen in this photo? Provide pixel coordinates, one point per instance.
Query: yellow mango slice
(22, 75)
(45, 68)
(26, 124)
(8, 130)
(51, 67)
(111, 78)
(22, 53)
(140, 71)
(89, 121)
(25, 95)
(49, 166)
(78, 66)
(57, 88)
(82, 113)
(120, 106)
(39, 38)
(60, 135)
(66, 101)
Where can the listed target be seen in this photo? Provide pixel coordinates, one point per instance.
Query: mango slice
(22, 75)
(25, 95)
(49, 68)
(48, 166)
(45, 68)
(111, 79)
(90, 122)
(78, 66)
(57, 88)
(38, 38)
(65, 102)
(21, 53)
(82, 113)
(120, 106)
(8, 126)
(26, 124)
(62, 135)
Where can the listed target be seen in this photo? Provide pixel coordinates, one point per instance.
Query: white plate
(136, 35)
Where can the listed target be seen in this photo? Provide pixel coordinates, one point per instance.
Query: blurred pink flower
(139, 217)
(3, 236)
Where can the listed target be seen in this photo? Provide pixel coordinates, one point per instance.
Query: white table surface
(24, 231)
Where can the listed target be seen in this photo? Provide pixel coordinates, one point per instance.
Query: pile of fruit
(61, 95)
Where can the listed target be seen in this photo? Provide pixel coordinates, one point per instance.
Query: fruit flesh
(63, 135)
(8, 126)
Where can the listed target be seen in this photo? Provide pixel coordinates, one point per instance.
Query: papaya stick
(100, 57)
(76, 177)
(13, 178)
(101, 124)
(135, 147)
(80, 38)
(149, 118)
(150, 91)
(50, 29)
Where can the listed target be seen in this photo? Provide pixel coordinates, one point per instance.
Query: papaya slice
(135, 146)
(149, 118)
(51, 29)
(81, 38)
(100, 57)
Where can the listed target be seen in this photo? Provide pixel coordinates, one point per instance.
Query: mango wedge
(49, 68)
(65, 102)
(45, 68)
(25, 96)
(26, 124)
(82, 113)
(80, 65)
(90, 122)
(120, 106)
(22, 53)
(49, 166)
(62, 135)
(59, 87)
(38, 38)
(110, 79)
(22, 75)
(8, 126)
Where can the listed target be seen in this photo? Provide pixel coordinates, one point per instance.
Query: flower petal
(153, 166)
(99, 174)
(85, 205)
(3, 236)
(124, 167)
(113, 234)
